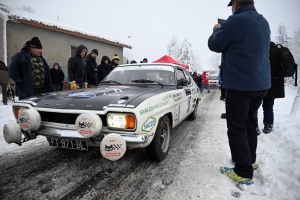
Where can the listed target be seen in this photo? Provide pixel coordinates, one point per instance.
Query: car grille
(64, 118)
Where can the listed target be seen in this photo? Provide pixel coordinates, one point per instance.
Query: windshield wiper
(111, 81)
(146, 81)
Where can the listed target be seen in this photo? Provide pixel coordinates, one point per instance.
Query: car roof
(149, 64)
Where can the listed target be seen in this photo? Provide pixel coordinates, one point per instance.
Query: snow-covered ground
(278, 156)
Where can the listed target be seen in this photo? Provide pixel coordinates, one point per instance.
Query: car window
(188, 77)
(127, 74)
(180, 74)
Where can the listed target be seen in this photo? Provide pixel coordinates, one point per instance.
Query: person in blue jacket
(243, 39)
(30, 71)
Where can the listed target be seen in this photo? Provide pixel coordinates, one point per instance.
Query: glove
(85, 85)
(73, 85)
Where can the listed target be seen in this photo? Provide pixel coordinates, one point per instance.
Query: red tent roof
(169, 59)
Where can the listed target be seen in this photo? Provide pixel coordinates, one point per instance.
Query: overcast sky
(153, 23)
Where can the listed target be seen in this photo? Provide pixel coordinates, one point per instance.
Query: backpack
(282, 61)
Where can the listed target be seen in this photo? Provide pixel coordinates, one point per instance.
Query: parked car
(135, 106)
(213, 80)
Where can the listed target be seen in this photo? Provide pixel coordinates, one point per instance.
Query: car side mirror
(182, 82)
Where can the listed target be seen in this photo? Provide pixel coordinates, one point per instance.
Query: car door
(183, 108)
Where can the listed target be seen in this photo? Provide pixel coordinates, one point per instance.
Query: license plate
(69, 144)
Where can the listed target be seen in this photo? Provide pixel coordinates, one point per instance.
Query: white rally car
(135, 106)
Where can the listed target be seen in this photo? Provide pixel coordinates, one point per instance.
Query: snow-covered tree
(27, 9)
(173, 48)
(215, 62)
(282, 37)
(186, 55)
(183, 53)
(295, 49)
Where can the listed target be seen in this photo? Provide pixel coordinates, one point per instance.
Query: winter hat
(116, 57)
(56, 64)
(35, 43)
(94, 51)
(27, 45)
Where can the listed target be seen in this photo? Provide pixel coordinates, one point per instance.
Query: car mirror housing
(182, 82)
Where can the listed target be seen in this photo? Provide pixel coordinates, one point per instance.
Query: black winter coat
(20, 71)
(103, 69)
(277, 88)
(77, 67)
(91, 68)
(57, 76)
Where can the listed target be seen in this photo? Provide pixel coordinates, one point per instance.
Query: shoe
(208, 92)
(268, 128)
(258, 131)
(232, 175)
(254, 165)
(223, 115)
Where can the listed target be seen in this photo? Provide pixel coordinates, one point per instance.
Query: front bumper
(131, 139)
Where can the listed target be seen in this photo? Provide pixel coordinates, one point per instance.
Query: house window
(73, 50)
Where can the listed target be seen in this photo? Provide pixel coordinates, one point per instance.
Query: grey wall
(56, 46)
(1, 40)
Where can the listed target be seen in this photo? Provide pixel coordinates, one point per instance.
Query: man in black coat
(57, 76)
(3, 81)
(77, 69)
(104, 68)
(91, 68)
(30, 71)
(276, 91)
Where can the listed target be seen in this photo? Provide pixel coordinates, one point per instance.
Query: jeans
(204, 86)
(241, 116)
(80, 85)
(267, 106)
(56, 87)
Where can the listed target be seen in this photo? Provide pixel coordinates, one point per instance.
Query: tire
(193, 115)
(159, 147)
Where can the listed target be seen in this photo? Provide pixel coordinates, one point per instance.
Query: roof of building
(30, 18)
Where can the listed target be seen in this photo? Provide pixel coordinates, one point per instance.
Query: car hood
(94, 99)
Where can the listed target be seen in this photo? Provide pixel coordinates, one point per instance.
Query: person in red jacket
(205, 83)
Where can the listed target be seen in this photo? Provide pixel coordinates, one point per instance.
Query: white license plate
(69, 144)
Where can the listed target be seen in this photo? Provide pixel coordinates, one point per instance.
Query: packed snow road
(43, 172)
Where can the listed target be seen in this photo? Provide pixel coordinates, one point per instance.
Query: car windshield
(213, 77)
(142, 74)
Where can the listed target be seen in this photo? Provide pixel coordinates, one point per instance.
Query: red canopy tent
(169, 59)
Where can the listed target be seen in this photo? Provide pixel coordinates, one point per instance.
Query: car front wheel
(159, 147)
(193, 115)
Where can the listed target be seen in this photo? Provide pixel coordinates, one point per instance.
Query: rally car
(135, 106)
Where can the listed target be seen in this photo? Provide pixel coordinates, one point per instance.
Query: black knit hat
(94, 51)
(35, 43)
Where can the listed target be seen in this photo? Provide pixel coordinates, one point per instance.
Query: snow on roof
(10, 13)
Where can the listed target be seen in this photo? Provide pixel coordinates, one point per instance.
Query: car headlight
(18, 110)
(121, 121)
